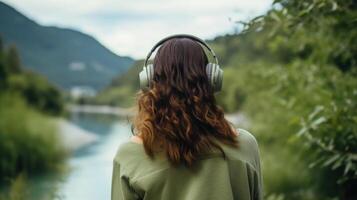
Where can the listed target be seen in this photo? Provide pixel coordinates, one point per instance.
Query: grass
(29, 141)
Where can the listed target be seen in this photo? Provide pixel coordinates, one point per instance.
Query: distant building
(82, 91)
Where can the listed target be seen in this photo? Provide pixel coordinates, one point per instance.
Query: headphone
(214, 72)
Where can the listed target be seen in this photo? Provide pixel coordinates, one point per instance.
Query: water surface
(89, 177)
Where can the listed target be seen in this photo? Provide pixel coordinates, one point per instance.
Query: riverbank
(74, 137)
(101, 109)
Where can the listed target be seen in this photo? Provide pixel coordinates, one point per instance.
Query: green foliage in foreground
(28, 139)
(277, 101)
(300, 93)
(330, 132)
(18, 189)
(28, 132)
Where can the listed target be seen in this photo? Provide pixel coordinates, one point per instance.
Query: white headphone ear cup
(150, 68)
(215, 76)
(145, 76)
(209, 73)
(219, 79)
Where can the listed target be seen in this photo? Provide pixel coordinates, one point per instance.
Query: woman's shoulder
(128, 150)
(134, 162)
(245, 136)
(247, 151)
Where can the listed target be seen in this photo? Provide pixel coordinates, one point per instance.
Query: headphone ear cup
(145, 76)
(209, 68)
(219, 79)
(215, 76)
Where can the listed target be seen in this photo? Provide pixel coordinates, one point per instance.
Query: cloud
(132, 27)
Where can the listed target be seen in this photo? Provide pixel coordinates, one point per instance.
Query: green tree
(3, 75)
(37, 92)
(3, 71)
(13, 60)
(320, 34)
(1, 44)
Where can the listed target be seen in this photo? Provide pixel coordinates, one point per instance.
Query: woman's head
(178, 114)
(180, 64)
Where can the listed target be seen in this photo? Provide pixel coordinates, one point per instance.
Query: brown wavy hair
(178, 113)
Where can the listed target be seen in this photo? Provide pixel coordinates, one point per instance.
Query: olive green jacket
(136, 176)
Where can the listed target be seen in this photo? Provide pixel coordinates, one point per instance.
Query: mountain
(66, 57)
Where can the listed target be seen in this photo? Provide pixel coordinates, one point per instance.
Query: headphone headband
(181, 36)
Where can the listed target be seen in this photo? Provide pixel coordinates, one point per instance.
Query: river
(89, 177)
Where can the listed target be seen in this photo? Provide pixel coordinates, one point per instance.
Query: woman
(183, 147)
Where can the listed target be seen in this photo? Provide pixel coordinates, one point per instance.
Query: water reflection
(90, 171)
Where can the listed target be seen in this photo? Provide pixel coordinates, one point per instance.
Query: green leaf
(318, 121)
(316, 111)
(330, 160)
(347, 168)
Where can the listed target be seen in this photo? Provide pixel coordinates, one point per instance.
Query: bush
(18, 189)
(37, 92)
(28, 139)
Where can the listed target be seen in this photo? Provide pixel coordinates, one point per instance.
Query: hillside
(66, 57)
(122, 89)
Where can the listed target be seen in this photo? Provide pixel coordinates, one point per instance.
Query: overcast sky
(132, 27)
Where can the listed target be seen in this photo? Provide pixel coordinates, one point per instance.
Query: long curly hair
(178, 114)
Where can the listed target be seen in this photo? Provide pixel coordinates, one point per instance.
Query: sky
(132, 27)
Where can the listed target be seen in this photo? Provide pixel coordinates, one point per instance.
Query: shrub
(28, 139)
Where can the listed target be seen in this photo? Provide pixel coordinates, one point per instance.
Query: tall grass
(18, 189)
(28, 139)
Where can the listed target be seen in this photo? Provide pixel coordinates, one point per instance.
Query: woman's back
(189, 150)
(136, 176)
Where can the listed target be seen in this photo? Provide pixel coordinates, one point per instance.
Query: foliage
(330, 131)
(313, 24)
(29, 142)
(122, 90)
(28, 139)
(307, 73)
(35, 89)
(13, 60)
(3, 74)
(18, 189)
